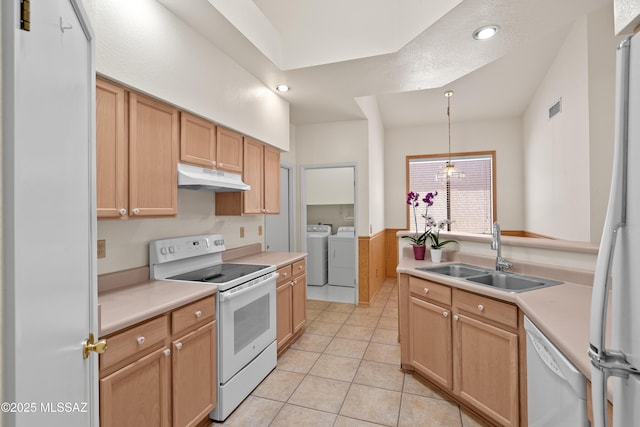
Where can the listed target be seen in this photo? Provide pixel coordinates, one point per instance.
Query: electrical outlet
(242, 232)
(102, 248)
(259, 230)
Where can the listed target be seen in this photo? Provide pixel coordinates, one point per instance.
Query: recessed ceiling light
(282, 88)
(485, 32)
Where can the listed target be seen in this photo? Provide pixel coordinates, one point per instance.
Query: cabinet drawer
(299, 267)
(285, 275)
(193, 314)
(486, 308)
(134, 340)
(430, 290)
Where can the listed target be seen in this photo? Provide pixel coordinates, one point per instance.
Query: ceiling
(405, 53)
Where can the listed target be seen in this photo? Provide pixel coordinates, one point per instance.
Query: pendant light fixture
(449, 171)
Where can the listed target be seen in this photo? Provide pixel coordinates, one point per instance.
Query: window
(469, 202)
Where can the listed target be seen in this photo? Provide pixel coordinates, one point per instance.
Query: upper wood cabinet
(202, 143)
(229, 153)
(197, 141)
(112, 171)
(153, 155)
(261, 170)
(136, 154)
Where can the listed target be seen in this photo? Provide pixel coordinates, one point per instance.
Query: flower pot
(436, 255)
(418, 252)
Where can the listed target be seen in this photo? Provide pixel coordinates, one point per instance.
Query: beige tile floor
(345, 371)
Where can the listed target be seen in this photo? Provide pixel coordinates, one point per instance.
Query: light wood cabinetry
(202, 143)
(229, 151)
(261, 170)
(466, 343)
(291, 303)
(150, 376)
(112, 171)
(153, 156)
(136, 154)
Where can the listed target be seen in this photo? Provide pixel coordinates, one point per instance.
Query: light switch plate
(102, 248)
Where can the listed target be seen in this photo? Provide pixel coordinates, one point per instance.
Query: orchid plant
(435, 236)
(413, 201)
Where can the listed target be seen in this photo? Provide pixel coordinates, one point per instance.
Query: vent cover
(555, 108)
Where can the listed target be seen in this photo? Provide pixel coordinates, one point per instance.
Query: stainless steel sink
(513, 282)
(456, 270)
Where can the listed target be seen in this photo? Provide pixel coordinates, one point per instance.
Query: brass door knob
(89, 346)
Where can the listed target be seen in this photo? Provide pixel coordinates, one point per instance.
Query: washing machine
(342, 257)
(317, 254)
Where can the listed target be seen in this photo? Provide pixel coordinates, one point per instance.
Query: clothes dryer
(342, 257)
(317, 254)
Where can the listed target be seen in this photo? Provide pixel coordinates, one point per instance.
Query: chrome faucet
(501, 263)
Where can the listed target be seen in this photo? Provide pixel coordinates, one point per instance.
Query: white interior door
(278, 228)
(49, 215)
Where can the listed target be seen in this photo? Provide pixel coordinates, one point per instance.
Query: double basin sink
(510, 282)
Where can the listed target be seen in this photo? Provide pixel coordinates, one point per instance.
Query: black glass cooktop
(221, 273)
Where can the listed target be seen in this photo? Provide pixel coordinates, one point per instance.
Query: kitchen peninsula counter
(562, 312)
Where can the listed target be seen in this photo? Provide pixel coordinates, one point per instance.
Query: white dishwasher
(556, 390)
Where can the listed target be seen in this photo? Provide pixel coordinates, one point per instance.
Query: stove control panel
(177, 248)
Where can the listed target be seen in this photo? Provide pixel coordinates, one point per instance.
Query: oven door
(247, 323)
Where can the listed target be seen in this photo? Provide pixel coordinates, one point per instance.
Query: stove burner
(220, 273)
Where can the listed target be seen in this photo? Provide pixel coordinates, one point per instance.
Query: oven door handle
(228, 296)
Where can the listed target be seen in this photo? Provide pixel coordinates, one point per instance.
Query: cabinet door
(253, 175)
(284, 314)
(138, 394)
(299, 303)
(111, 150)
(271, 180)
(197, 141)
(153, 155)
(194, 375)
(430, 341)
(229, 150)
(486, 368)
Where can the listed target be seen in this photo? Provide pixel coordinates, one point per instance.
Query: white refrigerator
(618, 265)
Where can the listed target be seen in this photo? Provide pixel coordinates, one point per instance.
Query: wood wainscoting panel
(391, 251)
(371, 266)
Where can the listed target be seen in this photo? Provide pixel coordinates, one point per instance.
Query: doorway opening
(329, 198)
(280, 229)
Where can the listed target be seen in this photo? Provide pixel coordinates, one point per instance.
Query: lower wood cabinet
(138, 394)
(465, 343)
(291, 303)
(151, 377)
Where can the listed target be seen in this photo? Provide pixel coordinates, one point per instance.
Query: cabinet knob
(293, 283)
(299, 267)
(178, 345)
(284, 274)
(198, 313)
(166, 352)
(480, 307)
(122, 212)
(455, 317)
(220, 165)
(136, 211)
(140, 340)
(426, 290)
(445, 314)
(213, 163)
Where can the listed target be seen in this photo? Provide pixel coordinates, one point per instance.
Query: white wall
(503, 135)
(568, 158)
(330, 186)
(557, 150)
(339, 142)
(369, 106)
(143, 45)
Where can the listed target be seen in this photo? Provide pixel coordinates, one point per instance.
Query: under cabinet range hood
(199, 178)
